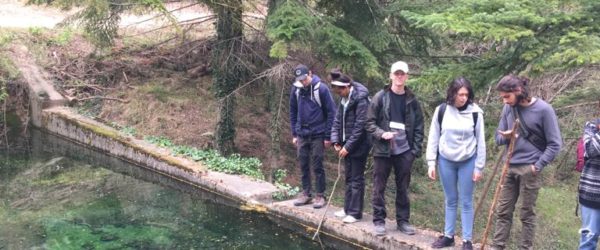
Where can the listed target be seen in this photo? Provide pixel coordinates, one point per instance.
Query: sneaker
(302, 200)
(349, 219)
(319, 202)
(443, 241)
(340, 214)
(467, 245)
(379, 230)
(406, 228)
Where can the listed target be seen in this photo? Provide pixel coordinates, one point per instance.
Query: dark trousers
(355, 185)
(310, 154)
(402, 165)
(520, 181)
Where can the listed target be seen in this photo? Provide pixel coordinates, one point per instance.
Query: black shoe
(467, 245)
(443, 241)
(406, 228)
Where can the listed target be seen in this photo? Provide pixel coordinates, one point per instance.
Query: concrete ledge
(67, 124)
(42, 94)
(359, 234)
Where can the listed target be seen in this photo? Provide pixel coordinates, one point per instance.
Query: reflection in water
(56, 195)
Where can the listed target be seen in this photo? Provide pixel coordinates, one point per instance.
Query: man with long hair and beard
(538, 141)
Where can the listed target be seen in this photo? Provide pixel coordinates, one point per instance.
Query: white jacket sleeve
(433, 140)
(481, 149)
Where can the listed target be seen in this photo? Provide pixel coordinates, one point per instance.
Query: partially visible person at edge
(311, 117)
(351, 141)
(529, 157)
(457, 145)
(395, 122)
(589, 187)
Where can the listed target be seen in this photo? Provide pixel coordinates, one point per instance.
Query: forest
(218, 84)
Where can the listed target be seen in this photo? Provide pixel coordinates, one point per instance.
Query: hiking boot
(467, 245)
(319, 202)
(302, 200)
(406, 228)
(349, 219)
(379, 229)
(444, 241)
(340, 214)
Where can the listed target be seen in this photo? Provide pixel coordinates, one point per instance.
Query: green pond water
(57, 195)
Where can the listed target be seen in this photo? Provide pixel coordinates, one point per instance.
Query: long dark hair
(511, 83)
(456, 85)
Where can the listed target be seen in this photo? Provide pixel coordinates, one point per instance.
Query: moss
(62, 234)
(116, 136)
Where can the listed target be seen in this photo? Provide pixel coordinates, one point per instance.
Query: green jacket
(378, 122)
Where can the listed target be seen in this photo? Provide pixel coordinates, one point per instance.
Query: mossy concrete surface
(66, 123)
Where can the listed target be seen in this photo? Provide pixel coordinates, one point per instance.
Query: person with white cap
(395, 122)
(351, 141)
(312, 111)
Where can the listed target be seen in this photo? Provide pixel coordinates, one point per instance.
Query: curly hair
(515, 84)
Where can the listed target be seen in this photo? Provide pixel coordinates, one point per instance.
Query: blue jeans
(590, 228)
(457, 181)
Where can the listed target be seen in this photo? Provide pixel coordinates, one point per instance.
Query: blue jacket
(307, 118)
(353, 122)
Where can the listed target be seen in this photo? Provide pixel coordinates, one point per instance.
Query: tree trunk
(228, 71)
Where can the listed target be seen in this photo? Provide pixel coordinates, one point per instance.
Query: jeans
(520, 181)
(310, 153)
(382, 166)
(355, 185)
(458, 184)
(590, 228)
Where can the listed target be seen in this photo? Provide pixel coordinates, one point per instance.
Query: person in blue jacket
(351, 141)
(312, 111)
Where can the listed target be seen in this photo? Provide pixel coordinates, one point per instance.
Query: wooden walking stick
(339, 173)
(511, 147)
(488, 183)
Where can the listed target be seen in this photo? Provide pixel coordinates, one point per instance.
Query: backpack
(580, 155)
(443, 110)
(314, 94)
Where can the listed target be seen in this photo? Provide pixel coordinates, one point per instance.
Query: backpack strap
(314, 95)
(441, 112)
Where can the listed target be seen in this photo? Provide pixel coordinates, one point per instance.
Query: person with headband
(351, 141)
(538, 142)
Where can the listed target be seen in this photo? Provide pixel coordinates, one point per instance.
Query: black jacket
(378, 122)
(354, 120)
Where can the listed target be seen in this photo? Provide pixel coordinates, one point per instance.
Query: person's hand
(505, 134)
(327, 143)
(295, 141)
(337, 147)
(534, 170)
(431, 173)
(343, 153)
(477, 175)
(388, 135)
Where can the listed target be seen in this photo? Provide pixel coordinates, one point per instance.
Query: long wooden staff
(488, 183)
(511, 146)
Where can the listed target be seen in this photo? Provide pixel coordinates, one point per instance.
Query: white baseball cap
(399, 65)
